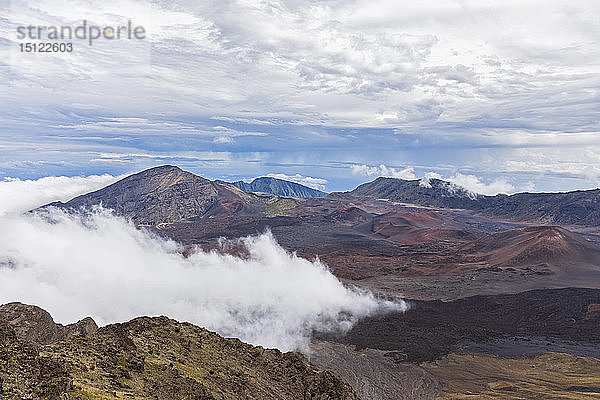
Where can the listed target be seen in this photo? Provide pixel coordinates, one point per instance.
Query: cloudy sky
(496, 96)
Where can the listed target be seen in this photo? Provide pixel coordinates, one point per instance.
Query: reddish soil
(405, 242)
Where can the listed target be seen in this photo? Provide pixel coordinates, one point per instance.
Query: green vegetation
(279, 206)
(548, 376)
(150, 358)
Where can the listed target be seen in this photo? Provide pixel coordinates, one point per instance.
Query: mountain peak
(433, 192)
(162, 168)
(160, 194)
(276, 186)
(167, 194)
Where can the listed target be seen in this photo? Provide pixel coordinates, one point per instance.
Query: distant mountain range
(278, 187)
(580, 207)
(168, 194)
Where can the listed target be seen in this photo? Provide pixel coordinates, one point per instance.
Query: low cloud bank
(475, 185)
(18, 195)
(101, 265)
(407, 173)
(470, 185)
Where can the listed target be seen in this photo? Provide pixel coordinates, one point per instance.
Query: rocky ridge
(580, 207)
(148, 358)
(34, 324)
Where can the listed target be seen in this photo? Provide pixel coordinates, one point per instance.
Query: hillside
(166, 194)
(25, 374)
(581, 207)
(570, 208)
(278, 187)
(534, 245)
(34, 324)
(154, 358)
(435, 193)
(432, 329)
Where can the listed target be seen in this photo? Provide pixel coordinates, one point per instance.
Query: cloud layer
(382, 170)
(97, 264)
(18, 195)
(102, 266)
(299, 86)
(358, 63)
(474, 184)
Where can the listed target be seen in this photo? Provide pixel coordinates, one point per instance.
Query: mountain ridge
(167, 194)
(34, 324)
(151, 358)
(580, 207)
(278, 187)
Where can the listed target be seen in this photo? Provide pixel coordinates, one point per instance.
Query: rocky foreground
(146, 358)
(159, 358)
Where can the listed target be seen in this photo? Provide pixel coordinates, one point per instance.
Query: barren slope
(167, 194)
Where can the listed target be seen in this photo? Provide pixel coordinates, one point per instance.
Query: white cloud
(223, 130)
(315, 183)
(471, 183)
(146, 126)
(471, 74)
(226, 135)
(382, 170)
(583, 164)
(426, 180)
(475, 185)
(360, 63)
(529, 187)
(18, 195)
(223, 140)
(102, 266)
(130, 158)
(135, 125)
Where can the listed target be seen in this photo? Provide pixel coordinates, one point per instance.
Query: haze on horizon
(502, 98)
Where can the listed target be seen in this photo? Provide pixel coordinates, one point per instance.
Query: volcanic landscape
(503, 291)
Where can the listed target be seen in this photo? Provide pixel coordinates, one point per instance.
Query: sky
(495, 96)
